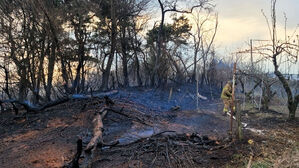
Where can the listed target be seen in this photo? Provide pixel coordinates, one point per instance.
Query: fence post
(238, 117)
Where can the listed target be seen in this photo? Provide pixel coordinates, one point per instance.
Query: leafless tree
(203, 40)
(275, 51)
(165, 7)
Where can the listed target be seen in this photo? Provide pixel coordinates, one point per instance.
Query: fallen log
(32, 108)
(97, 131)
(98, 95)
(120, 112)
(97, 138)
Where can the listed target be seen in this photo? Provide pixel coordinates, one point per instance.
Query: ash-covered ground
(48, 138)
(183, 96)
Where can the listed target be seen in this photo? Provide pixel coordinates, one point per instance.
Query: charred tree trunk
(159, 48)
(195, 66)
(64, 73)
(51, 65)
(292, 100)
(82, 86)
(6, 89)
(116, 71)
(179, 73)
(203, 75)
(124, 49)
(249, 94)
(22, 83)
(81, 53)
(196, 50)
(106, 72)
(137, 66)
(40, 71)
(267, 95)
(242, 84)
(139, 81)
(52, 57)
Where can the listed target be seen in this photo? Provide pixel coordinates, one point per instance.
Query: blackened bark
(106, 73)
(292, 101)
(124, 49)
(139, 81)
(51, 65)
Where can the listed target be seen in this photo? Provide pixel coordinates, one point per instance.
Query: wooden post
(170, 94)
(244, 97)
(197, 89)
(238, 117)
(233, 99)
(260, 102)
(251, 54)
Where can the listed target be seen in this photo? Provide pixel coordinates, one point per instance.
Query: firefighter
(226, 97)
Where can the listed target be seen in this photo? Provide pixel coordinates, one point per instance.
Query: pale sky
(241, 20)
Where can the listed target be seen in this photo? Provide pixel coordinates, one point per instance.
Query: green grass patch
(261, 164)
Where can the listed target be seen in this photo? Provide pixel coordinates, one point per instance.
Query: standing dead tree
(277, 49)
(166, 7)
(203, 40)
(261, 80)
(113, 34)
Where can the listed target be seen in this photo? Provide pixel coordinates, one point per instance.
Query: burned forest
(149, 84)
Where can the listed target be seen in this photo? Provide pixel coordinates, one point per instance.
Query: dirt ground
(194, 138)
